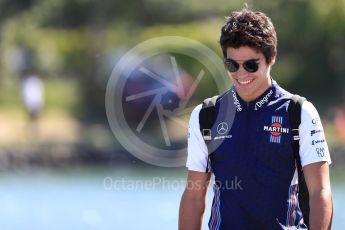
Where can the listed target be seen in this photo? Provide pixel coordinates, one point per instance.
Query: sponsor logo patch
(315, 142)
(236, 101)
(223, 137)
(321, 152)
(264, 100)
(315, 121)
(312, 132)
(276, 129)
(222, 128)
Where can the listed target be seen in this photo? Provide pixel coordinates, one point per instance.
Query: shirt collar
(256, 104)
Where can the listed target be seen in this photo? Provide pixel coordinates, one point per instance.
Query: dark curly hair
(249, 28)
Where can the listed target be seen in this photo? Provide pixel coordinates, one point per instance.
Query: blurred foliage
(10, 8)
(77, 42)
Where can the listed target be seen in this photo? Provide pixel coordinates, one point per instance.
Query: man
(255, 152)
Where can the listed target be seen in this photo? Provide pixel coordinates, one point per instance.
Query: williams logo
(276, 129)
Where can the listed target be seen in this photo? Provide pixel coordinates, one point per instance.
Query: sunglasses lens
(251, 66)
(231, 65)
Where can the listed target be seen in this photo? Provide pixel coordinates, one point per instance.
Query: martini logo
(276, 129)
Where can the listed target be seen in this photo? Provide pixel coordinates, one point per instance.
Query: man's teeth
(244, 82)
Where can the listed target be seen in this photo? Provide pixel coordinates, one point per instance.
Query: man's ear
(273, 60)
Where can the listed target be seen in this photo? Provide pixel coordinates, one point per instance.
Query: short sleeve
(197, 149)
(313, 144)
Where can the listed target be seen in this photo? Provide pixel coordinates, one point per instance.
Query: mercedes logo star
(222, 128)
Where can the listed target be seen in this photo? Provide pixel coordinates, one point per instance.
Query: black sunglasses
(251, 65)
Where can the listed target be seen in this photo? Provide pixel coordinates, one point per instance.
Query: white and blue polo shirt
(256, 182)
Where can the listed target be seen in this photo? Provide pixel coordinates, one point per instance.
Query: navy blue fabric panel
(253, 161)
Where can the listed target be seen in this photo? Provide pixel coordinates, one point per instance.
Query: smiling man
(256, 147)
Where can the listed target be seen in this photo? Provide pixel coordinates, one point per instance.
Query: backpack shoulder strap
(295, 112)
(206, 121)
(295, 108)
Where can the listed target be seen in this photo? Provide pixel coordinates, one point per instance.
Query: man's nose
(241, 72)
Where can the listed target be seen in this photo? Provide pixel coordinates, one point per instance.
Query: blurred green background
(73, 45)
